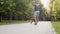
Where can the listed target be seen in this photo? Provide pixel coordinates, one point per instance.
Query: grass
(56, 26)
(12, 22)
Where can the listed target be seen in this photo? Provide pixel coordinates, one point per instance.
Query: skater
(36, 14)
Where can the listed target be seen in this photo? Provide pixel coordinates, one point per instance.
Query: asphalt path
(43, 27)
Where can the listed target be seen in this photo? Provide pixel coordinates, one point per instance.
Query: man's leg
(36, 21)
(36, 14)
(31, 20)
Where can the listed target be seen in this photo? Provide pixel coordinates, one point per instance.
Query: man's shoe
(35, 23)
(31, 22)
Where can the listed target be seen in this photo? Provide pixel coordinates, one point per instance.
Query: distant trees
(15, 9)
(55, 9)
(19, 10)
(44, 16)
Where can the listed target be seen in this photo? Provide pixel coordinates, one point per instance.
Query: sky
(46, 3)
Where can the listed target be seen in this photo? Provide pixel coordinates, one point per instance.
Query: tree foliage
(15, 9)
(55, 9)
(19, 9)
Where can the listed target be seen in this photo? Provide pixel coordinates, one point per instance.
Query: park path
(43, 27)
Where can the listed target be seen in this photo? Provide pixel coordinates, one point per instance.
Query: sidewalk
(43, 27)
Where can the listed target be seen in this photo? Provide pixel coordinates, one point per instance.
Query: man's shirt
(36, 8)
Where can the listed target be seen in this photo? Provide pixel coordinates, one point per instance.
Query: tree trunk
(10, 15)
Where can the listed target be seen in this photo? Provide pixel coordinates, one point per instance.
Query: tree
(15, 9)
(55, 9)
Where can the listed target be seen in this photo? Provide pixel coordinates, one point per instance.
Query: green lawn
(12, 22)
(56, 25)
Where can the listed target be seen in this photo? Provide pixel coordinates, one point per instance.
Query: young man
(36, 14)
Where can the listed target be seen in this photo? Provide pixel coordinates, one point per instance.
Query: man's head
(37, 1)
(37, 4)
